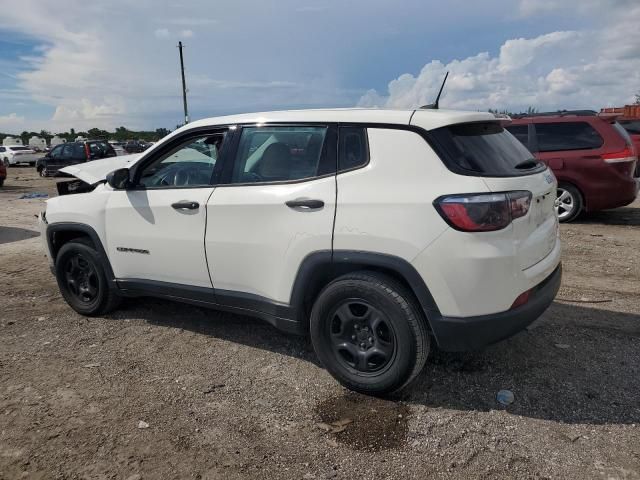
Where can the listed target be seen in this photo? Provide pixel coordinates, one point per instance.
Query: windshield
(483, 149)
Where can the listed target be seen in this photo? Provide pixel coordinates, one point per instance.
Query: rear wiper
(527, 164)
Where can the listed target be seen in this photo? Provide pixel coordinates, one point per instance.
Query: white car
(375, 231)
(16, 154)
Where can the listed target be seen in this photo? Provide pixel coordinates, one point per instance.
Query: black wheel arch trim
(87, 230)
(325, 263)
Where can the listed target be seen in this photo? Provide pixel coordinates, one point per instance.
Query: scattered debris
(335, 427)
(92, 365)
(213, 388)
(143, 424)
(505, 397)
(584, 300)
(28, 196)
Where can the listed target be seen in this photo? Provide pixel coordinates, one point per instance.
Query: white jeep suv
(375, 231)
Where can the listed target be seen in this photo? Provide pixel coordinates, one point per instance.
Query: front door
(277, 207)
(156, 228)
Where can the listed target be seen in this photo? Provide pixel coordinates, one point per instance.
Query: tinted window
(353, 150)
(56, 152)
(275, 154)
(484, 149)
(631, 126)
(521, 132)
(554, 137)
(190, 164)
(100, 149)
(19, 149)
(77, 151)
(2, 149)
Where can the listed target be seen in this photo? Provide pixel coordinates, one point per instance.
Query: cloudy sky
(106, 63)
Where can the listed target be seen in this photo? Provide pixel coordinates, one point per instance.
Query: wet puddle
(364, 423)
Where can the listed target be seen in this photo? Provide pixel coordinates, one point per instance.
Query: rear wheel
(82, 279)
(1, 182)
(568, 203)
(6, 162)
(369, 333)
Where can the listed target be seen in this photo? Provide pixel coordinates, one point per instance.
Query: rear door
(277, 207)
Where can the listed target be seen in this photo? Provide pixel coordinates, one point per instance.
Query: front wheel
(6, 161)
(82, 280)
(369, 333)
(568, 202)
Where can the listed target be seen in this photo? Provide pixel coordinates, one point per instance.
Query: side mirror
(119, 179)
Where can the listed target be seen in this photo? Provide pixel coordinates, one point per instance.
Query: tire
(1, 182)
(347, 338)
(7, 163)
(43, 172)
(82, 280)
(569, 202)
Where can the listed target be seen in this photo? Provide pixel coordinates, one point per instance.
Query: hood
(97, 170)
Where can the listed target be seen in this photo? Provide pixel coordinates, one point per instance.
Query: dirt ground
(229, 397)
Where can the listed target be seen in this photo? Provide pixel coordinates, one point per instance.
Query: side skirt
(280, 315)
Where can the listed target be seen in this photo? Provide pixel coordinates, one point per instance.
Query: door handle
(186, 205)
(305, 204)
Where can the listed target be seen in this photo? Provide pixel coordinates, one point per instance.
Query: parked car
(373, 230)
(72, 153)
(16, 154)
(135, 146)
(592, 156)
(3, 173)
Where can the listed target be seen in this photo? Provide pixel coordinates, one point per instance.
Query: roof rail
(559, 113)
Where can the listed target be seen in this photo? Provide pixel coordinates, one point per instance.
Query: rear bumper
(617, 195)
(472, 333)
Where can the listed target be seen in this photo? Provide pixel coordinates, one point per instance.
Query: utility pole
(184, 86)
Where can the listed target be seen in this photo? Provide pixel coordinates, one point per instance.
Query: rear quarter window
(483, 149)
(554, 137)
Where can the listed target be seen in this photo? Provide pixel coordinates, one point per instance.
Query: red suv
(592, 156)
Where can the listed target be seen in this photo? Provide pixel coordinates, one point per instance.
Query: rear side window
(19, 149)
(78, 151)
(483, 149)
(521, 132)
(280, 154)
(353, 150)
(553, 137)
(631, 126)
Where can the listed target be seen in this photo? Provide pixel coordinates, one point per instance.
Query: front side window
(2, 149)
(56, 152)
(277, 154)
(190, 164)
(553, 137)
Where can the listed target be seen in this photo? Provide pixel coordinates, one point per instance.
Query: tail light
(484, 212)
(623, 156)
(87, 151)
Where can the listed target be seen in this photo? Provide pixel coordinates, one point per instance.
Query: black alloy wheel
(362, 336)
(81, 278)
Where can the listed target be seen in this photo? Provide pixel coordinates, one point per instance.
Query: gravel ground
(162, 390)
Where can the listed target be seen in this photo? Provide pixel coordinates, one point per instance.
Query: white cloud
(11, 122)
(186, 33)
(161, 33)
(567, 69)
